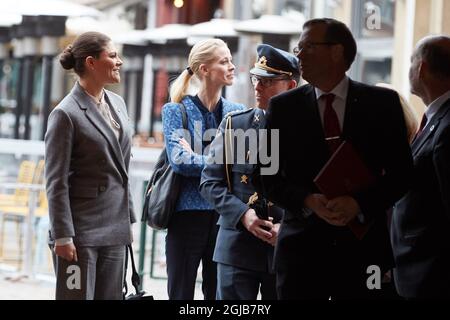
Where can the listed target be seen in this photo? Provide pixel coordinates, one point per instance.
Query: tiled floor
(15, 287)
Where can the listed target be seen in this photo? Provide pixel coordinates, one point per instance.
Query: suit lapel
(316, 126)
(122, 119)
(117, 114)
(419, 142)
(349, 115)
(94, 116)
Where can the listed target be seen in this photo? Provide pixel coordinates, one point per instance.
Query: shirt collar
(217, 110)
(340, 91)
(435, 105)
(102, 98)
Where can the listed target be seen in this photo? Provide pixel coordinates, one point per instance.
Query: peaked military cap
(272, 62)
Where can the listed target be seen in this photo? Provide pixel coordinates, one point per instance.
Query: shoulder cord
(228, 151)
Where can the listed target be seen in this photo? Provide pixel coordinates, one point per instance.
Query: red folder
(344, 174)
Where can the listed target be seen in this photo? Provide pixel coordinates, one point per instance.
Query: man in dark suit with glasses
(317, 255)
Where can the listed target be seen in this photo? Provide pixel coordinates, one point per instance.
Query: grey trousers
(98, 274)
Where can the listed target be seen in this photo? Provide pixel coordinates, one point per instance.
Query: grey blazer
(86, 170)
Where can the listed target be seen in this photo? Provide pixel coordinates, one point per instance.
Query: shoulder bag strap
(183, 115)
(135, 278)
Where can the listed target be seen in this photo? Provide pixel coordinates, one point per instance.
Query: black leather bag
(135, 280)
(162, 190)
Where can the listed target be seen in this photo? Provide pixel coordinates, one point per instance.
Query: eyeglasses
(310, 46)
(265, 82)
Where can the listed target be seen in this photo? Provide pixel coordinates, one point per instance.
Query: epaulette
(238, 112)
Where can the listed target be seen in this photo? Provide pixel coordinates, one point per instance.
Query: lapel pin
(432, 128)
(244, 179)
(256, 118)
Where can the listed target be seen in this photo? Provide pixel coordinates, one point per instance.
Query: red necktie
(422, 124)
(331, 125)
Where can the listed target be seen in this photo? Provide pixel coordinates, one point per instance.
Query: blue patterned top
(190, 165)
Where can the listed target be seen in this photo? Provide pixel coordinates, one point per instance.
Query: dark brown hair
(85, 45)
(337, 32)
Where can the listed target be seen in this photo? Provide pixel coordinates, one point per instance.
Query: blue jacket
(189, 165)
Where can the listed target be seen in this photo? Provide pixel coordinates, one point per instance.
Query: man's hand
(345, 208)
(318, 203)
(256, 225)
(67, 252)
(274, 232)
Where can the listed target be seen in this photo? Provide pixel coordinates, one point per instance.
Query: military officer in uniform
(248, 224)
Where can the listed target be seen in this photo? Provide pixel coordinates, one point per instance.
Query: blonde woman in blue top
(192, 231)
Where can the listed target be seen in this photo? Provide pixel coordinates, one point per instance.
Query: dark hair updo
(85, 45)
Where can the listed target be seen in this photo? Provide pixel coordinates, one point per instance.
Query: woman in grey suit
(87, 156)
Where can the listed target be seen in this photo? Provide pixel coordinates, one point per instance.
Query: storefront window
(373, 26)
(8, 84)
(377, 18)
(375, 71)
(295, 9)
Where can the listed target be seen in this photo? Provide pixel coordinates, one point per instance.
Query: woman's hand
(67, 252)
(185, 145)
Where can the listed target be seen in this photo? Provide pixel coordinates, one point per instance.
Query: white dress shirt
(433, 107)
(340, 92)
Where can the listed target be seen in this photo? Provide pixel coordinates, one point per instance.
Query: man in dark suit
(421, 218)
(248, 223)
(317, 255)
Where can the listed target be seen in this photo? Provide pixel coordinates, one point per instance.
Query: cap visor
(264, 73)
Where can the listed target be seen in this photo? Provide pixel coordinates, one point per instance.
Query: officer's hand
(256, 225)
(346, 209)
(318, 203)
(274, 232)
(67, 252)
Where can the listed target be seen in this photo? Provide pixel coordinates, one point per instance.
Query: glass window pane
(377, 18)
(375, 71)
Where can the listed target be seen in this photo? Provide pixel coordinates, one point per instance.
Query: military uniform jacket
(235, 245)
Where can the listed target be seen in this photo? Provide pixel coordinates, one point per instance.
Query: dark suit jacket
(235, 245)
(421, 218)
(374, 124)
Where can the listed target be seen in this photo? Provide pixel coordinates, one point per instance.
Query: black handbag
(135, 280)
(162, 190)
